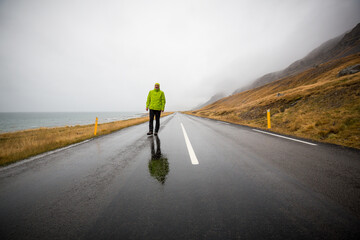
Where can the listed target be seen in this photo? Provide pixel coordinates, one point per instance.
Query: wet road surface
(126, 185)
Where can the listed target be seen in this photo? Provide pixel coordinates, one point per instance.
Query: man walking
(156, 103)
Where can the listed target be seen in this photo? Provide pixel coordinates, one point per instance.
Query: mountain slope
(314, 104)
(341, 46)
(213, 99)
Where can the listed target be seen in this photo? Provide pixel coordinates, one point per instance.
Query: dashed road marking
(193, 157)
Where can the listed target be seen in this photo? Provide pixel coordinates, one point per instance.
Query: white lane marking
(226, 123)
(193, 158)
(296, 140)
(41, 155)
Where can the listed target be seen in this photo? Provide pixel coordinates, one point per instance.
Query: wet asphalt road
(247, 185)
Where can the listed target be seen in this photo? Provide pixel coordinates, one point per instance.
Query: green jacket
(156, 100)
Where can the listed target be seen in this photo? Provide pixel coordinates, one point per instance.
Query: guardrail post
(268, 118)
(96, 123)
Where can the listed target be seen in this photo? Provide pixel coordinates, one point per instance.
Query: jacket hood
(158, 85)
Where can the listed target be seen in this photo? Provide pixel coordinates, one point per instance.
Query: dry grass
(23, 144)
(315, 104)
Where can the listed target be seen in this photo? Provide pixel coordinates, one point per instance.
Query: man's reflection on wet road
(158, 164)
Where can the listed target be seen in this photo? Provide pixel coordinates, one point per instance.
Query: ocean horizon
(17, 121)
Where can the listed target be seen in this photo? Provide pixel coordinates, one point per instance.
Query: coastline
(20, 121)
(20, 145)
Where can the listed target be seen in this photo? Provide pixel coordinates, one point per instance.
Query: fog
(106, 55)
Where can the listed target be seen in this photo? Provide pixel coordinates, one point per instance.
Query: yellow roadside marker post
(96, 122)
(268, 118)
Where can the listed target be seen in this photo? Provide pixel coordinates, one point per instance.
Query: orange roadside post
(96, 123)
(268, 118)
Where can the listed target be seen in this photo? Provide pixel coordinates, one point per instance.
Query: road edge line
(276, 135)
(41, 155)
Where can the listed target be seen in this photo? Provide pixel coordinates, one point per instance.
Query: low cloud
(106, 55)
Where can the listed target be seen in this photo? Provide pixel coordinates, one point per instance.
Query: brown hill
(341, 46)
(314, 104)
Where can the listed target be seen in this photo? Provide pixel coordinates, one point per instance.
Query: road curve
(245, 185)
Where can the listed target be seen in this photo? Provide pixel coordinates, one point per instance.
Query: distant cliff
(210, 101)
(341, 46)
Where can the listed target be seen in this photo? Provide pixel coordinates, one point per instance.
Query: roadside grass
(19, 145)
(315, 104)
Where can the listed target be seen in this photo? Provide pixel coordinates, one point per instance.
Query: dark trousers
(155, 113)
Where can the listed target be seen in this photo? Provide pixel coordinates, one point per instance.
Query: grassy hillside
(315, 104)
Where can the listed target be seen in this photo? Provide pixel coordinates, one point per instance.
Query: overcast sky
(69, 55)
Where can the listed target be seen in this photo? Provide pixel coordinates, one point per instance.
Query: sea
(16, 121)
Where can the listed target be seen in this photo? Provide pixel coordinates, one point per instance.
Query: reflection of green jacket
(156, 100)
(159, 168)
